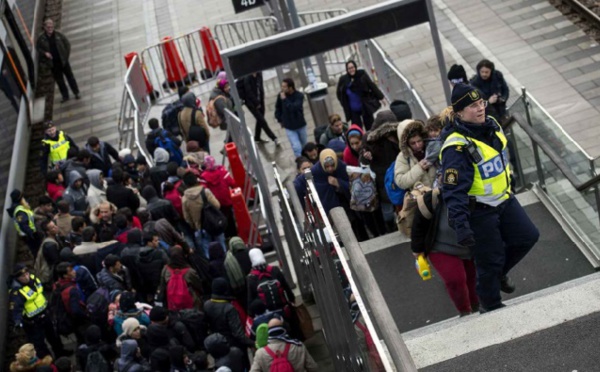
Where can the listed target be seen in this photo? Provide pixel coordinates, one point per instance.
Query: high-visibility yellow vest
(35, 302)
(58, 149)
(30, 218)
(491, 183)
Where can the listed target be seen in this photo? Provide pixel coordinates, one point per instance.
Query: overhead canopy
(320, 37)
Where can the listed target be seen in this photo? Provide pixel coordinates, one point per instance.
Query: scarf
(279, 333)
(236, 276)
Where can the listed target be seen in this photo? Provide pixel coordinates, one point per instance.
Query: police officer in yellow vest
(55, 146)
(29, 309)
(24, 219)
(476, 186)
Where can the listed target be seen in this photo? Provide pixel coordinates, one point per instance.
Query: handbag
(213, 220)
(304, 321)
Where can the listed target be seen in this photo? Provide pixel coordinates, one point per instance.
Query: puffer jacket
(298, 357)
(221, 104)
(219, 181)
(383, 152)
(223, 318)
(192, 205)
(407, 170)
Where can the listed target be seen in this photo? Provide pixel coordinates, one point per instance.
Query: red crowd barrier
(212, 56)
(237, 168)
(149, 88)
(177, 74)
(246, 227)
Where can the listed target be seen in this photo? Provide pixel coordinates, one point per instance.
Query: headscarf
(236, 276)
(327, 156)
(355, 67)
(209, 162)
(222, 83)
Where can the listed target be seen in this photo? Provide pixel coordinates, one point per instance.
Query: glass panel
(24, 12)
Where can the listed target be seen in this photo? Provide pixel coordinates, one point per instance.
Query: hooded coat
(129, 357)
(101, 159)
(383, 152)
(159, 208)
(192, 205)
(77, 198)
(96, 192)
(158, 173)
(225, 356)
(362, 85)
(184, 117)
(351, 156)
(407, 170)
(218, 180)
(151, 262)
(221, 104)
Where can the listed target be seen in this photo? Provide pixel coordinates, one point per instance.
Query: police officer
(476, 186)
(55, 146)
(29, 309)
(24, 220)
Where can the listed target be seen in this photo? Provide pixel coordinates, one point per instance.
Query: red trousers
(459, 276)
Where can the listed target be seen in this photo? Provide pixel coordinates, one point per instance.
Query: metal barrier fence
(320, 245)
(135, 106)
(230, 34)
(257, 183)
(180, 61)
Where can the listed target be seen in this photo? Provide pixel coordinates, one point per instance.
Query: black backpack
(169, 117)
(97, 307)
(213, 221)
(194, 322)
(96, 363)
(59, 315)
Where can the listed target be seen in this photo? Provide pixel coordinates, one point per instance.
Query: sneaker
(507, 285)
(483, 310)
(277, 142)
(260, 140)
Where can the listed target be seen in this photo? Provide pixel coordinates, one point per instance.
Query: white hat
(257, 257)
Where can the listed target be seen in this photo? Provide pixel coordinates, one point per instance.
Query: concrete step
(522, 316)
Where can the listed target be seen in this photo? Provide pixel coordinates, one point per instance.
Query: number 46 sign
(243, 5)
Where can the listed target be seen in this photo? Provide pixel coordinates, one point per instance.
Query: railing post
(596, 187)
(513, 141)
(439, 52)
(536, 153)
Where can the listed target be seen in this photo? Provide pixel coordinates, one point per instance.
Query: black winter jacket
(254, 91)
(101, 160)
(150, 266)
(223, 318)
(122, 196)
(106, 279)
(363, 86)
(290, 112)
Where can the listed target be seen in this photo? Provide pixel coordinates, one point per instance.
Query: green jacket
(43, 46)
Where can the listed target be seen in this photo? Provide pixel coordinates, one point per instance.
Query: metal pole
(596, 189)
(536, 153)
(290, 14)
(439, 52)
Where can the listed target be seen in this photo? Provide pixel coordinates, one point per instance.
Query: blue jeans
(298, 139)
(203, 239)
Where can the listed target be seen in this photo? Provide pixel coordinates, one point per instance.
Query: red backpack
(178, 293)
(270, 291)
(280, 361)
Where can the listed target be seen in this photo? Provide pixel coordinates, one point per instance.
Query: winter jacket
(158, 175)
(150, 265)
(350, 156)
(159, 208)
(192, 205)
(254, 91)
(328, 135)
(223, 318)
(73, 165)
(120, 281)
(77, 198)
(493, 85)
(221, 104)
(129, 358)
(76, 306)
(43, 46)
(167, 232)
(55, 191)
(298, 357)
(101, 159)
(184, 117)
(383, 151)
(225, 355)
(122, 196)
(151, 138)
(289, 112)
(329, 195)
(363, 86)
(219, 181)
(63, 222)
(192, 279)
(407, 170)
(96, 193)
(174, 193)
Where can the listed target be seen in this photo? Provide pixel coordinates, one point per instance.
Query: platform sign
(243, 5)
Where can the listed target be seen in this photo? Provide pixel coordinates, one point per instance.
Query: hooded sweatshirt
(128, 356)
(96, 193)
(218, 180)
(350, 155)
(76, 197)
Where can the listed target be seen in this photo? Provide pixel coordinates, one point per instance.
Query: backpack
(363, 192)
(212, 220)
(59, 310)
(96, 363)
(239, 84)
(97, 306)
(42, 269)
(270, 291)
(280, 361)
(163, 141)
(405, 218)
(212, 116)
(394, 192)
(169, 117)
(178, 293)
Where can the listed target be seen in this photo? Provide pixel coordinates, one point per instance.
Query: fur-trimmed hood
(95, 212)
(408, 128)
(381, 131)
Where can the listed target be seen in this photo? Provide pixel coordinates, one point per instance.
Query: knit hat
(457, 74)
(16, 196)
(463, 95)
(383, 117)
(93, 335)
(325, 157)
(113, 295)
(192, 146)
(130, 325)
(209, 162)
(401, 110)
(141, 160)
(220, 289)
(124, 152)
(336, 145)
(158, 314)
(257, 257)
(257, 307)
(128, 159)
(127, 302)
(222, 75)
